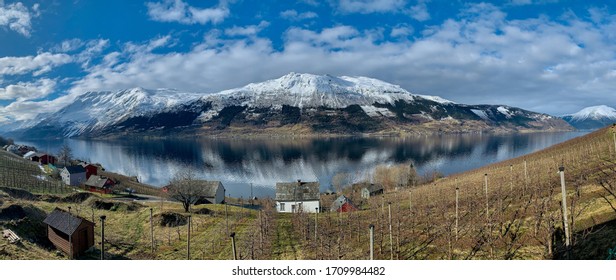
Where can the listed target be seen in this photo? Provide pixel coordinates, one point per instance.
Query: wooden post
(152, 229)
(391, 238)
(525, 178)
(233, 245)
(103, 237)
(226, 218)
(564, 205)
(614, 135)
(411, 201)
(188, 238)
(316, 223)
(371, 242)
(511, 178)
(457, 195)
(487, 198)
(70, 239)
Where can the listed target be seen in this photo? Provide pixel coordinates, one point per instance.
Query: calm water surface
(263, 162)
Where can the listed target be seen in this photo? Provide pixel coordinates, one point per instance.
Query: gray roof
(339, 202)
(75, 169)
(209, 187)
(297, 191)
(370, 187)
(64, 222)
(96, 181)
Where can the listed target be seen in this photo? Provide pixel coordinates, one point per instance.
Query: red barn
(343, 204)
(47, 159)
(91, 169)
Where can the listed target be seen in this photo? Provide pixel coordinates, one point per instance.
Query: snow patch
(373, 111)
(482, 114)
(505, 112)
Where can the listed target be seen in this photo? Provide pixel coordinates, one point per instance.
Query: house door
(82, 243)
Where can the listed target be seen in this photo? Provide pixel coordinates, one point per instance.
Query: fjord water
(263, 162)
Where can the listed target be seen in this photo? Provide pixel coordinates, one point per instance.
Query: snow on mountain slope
(594, 113)
(312, 91)
(322, 103)
(97, 110)
(592, 117)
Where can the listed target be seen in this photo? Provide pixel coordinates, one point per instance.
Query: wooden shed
(68, 231)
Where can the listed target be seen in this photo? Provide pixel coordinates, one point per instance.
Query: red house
(90, 169)
(99, 184)
(343, 204)
(47, 159)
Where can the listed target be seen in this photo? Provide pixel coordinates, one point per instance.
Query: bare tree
(185, 189)
(339, 181)
(65, 154)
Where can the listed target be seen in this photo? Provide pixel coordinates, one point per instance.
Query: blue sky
(544, 55)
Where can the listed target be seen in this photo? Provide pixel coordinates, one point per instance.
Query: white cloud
(295, 16)
(17, 17)
(370, 6)
(250, 30)
(28, 91)
(39, 64)
(401, 31)
(179, 11)
(420, 12)
(537, 64)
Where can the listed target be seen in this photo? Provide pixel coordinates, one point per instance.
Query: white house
(297, 196)
(73, 175)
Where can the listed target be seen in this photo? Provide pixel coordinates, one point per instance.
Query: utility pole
(251, 196)
(103, 237)
(371, 242)
(188, 238)
(561, 170)
(233, 245)
(152, 229)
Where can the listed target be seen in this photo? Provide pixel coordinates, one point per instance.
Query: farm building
(91, 169)
(297, 196)
(41, 158)
(368, 189)
(342, 204)
(73, 175)
(47, 159)
(71, 234)
(100, 184)
(213, 192)
(30, 155)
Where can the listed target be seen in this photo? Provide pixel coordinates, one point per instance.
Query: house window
(281, 206)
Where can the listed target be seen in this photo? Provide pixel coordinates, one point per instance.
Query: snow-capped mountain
(294, 103)
(592, 117)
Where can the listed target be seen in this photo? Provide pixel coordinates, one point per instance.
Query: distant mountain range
(297, 104)
(592, 117)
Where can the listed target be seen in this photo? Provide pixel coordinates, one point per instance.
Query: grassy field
(518, 217)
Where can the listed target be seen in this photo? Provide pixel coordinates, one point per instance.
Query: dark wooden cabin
(62, 227)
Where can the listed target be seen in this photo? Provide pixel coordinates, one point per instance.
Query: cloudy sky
(548, 56)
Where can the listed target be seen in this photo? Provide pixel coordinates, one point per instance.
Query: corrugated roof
(96, 181)
(64, 222)
(297, 191)
(74, 169)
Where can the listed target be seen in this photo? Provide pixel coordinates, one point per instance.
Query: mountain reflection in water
(263, 162)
